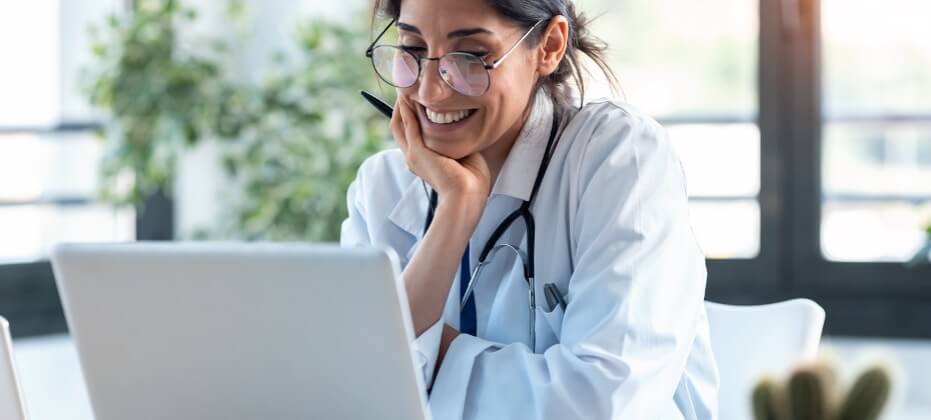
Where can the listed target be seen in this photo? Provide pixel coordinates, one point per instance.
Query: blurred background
(804, 127)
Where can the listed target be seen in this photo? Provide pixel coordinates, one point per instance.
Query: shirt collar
(520, 167)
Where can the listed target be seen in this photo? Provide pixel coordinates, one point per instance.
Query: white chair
(11, 400)
(752, 341)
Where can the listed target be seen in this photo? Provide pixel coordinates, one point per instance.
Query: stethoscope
(492, 247)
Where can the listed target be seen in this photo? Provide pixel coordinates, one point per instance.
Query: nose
(432, 88)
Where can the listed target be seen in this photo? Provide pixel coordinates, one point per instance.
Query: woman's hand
(463, 186)
(466, 181)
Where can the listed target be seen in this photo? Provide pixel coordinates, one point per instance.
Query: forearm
(430, 273)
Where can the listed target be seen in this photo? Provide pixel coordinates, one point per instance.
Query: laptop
(11, 398)
(240, 331)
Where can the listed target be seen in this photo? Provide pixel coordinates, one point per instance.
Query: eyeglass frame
(369, 53)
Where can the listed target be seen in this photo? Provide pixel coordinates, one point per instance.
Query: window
(705, 95)
(47, 184)
(804, 127)
(876, 175)
(48, 154)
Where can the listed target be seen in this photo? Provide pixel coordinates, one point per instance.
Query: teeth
(446, 117)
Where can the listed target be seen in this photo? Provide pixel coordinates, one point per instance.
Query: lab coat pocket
(554, 319)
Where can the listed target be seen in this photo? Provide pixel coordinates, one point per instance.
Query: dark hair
(528, 12)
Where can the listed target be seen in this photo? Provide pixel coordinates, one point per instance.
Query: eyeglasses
(466, 73)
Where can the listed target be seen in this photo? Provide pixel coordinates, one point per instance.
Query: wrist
(463, 208)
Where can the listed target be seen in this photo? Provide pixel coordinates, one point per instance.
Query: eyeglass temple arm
(368, 51)
(497, 62)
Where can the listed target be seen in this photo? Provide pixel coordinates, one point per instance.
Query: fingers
(397, 126)
(412, 133)
(406, 128)
(406, 131)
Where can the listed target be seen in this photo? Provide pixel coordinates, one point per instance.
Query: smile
(448, 117)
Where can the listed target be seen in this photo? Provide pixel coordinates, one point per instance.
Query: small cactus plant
(769, 401)
(812, 393)
(809, 395)
(867, 396)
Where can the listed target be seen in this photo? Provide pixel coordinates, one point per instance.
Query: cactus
(812, 394)
(808, 395)
(867, 396)
(768, 401)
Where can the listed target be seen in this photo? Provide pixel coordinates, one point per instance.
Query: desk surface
(51, 379)
(53, 385)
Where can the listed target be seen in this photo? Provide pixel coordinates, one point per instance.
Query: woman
(489, 132)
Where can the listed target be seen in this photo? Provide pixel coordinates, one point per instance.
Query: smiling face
(454, 124)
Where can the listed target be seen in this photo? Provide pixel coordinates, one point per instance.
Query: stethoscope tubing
(490, 249)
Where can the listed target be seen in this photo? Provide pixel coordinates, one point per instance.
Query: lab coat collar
(520, 168)
(515, 179)
(410, 213)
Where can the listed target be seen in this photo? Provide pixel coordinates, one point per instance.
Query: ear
(553, 45)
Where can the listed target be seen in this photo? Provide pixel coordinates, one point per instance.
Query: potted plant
(291, 145)
(814, 392)
(302, 143)
(158, 97)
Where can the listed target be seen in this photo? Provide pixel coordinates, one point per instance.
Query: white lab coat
(612, 232)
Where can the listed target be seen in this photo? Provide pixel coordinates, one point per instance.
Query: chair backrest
(752, 341)
(11, 401)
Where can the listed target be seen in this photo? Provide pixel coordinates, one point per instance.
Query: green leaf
(293, 143)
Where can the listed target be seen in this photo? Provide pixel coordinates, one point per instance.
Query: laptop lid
(11, 399)
(240, 331)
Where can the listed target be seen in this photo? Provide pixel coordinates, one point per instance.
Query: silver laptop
(240, 331)
(11, 399)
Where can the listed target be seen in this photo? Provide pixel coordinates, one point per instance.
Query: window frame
(28, 295)
(874, 299)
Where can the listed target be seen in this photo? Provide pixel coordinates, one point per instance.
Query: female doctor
(546, 249)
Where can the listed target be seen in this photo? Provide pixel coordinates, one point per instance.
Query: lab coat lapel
(410, 213)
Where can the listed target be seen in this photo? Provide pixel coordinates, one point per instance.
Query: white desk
(54, 387)
(51, 379)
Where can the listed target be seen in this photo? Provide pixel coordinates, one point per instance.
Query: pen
(380, 105)
(553, 297)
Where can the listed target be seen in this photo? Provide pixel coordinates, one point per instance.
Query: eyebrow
(459, 33)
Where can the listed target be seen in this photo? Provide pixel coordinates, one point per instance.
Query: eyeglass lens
(463, 72)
